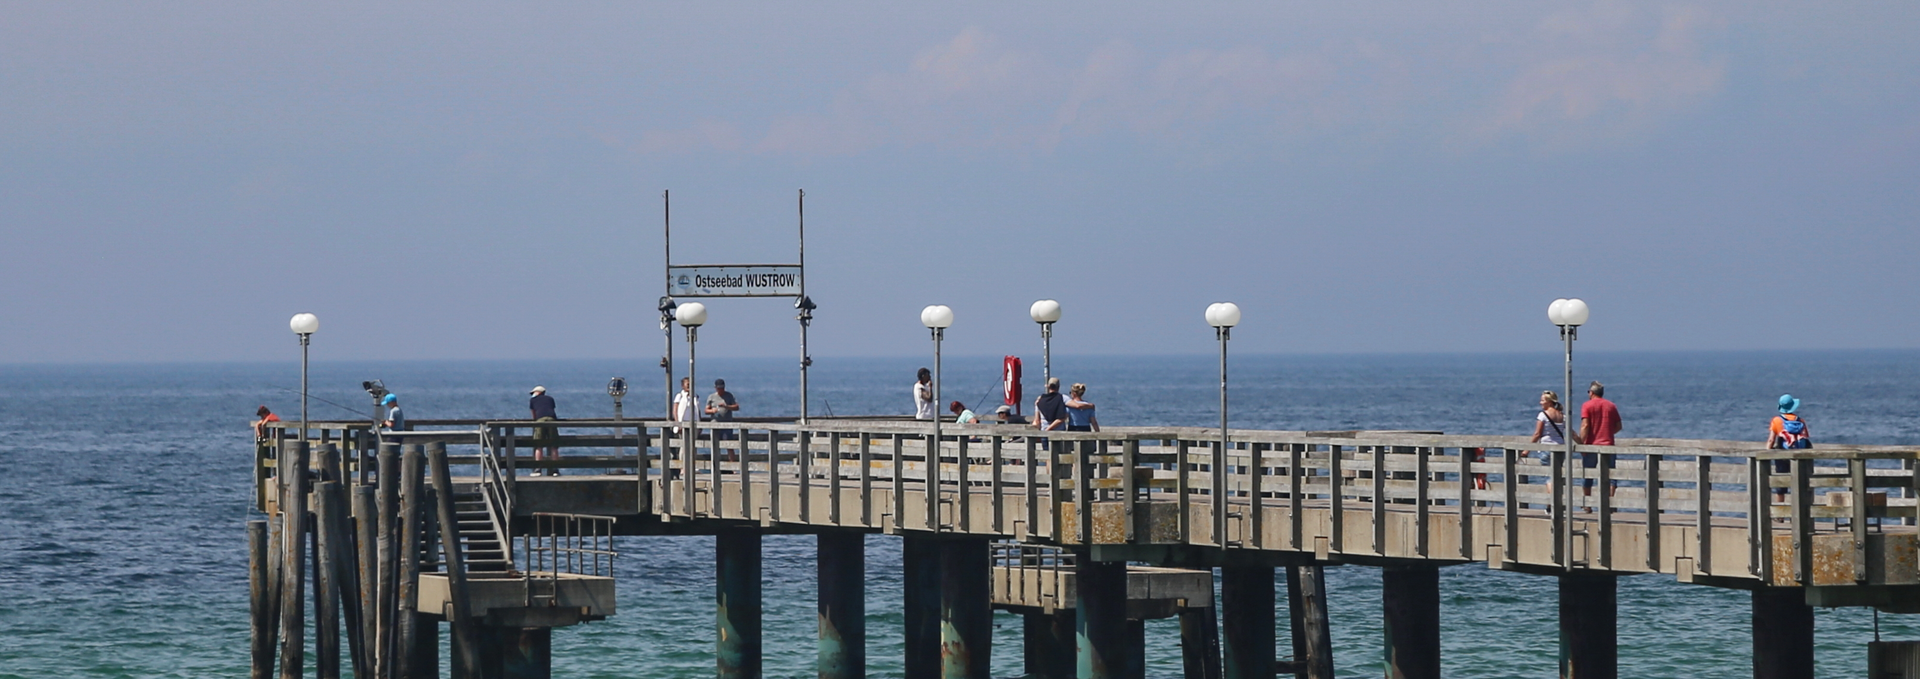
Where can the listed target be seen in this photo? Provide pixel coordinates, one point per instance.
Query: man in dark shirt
(545, 438)
(1050, 409)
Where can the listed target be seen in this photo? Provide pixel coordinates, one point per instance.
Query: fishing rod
(322, 400)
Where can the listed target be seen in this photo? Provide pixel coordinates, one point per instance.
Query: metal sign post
(741, 280)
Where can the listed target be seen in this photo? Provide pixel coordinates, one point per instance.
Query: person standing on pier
(1787, 432)
(721, 404)
(1080, 411)
(1050, 408)
(545, 438)
(1599, 421)
(396, 419)
(1549, 426)
(1004, 415)
(923, 396)
(682, 409)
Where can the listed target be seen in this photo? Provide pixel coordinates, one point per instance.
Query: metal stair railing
(499, 500)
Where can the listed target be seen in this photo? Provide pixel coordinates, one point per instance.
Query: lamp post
(806, 306)
(936, 317)
(666, 307)
(1222, 316)
(617, 388)
(1045, 312)
(1569, 315)
(691, 316)
(304, 325)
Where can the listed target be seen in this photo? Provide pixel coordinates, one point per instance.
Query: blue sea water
(125, 488)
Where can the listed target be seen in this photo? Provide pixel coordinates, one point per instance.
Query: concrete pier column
(1313, 633)
(1247, 631)
(510, 653)
(737, 597)
(842, 570)
(1100, 623)
(423, 660)
(1200, 643)
(966, 609)
(1410, 597)
(1589, 644)
(920, 597)
(1136, 649)
(1782, 634)
(1048, 645)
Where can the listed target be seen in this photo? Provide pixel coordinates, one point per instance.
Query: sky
(484, 181)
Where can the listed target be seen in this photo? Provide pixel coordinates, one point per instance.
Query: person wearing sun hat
(541, 407)
(1787, 431)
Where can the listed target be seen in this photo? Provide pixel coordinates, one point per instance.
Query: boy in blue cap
(1787, 432)
(396, 420)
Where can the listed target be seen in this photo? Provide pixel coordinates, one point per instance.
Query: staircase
(483, 545)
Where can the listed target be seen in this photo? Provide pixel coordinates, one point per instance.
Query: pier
(442, 530)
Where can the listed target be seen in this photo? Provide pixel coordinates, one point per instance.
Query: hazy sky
(483, 181)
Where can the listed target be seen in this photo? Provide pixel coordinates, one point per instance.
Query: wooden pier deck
(1172, 498)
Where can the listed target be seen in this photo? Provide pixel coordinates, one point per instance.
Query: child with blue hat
(1787, 432)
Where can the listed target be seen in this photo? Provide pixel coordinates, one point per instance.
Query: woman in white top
(923, 396)
(1550, 425)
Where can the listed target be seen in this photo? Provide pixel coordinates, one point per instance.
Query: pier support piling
(1100, 624)
(1782, 634)
(737, 595)
(453, 560)
(1246, 601)
(293, 559)
(1048, 645)
(259, 590)
(1313, 642)
(1589, 643)
(326, 587)
(966, 610)
(842, 570)
(920, 563)
(407, 571)
(1410, 598)
(1200, 642)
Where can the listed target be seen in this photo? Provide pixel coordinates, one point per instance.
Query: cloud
(1605, 74)
(1570, 80)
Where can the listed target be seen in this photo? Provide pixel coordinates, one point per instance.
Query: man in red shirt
(1599, 421)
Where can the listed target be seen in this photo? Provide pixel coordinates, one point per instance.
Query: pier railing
(1697, 509)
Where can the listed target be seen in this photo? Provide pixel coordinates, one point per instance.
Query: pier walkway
(995, 516)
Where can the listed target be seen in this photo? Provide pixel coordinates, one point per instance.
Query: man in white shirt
(923, 396)
(683, 403)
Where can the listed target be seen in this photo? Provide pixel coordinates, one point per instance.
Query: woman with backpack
(1787, 432)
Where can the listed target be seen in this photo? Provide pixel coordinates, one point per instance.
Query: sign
(746, 280)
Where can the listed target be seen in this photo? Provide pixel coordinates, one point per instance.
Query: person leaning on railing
(260, 425)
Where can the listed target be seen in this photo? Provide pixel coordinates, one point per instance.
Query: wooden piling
(1100, 624)
(1316, 630)
(467, 661)
(1048, 645)
(1246, 602)
(966, 611)
(386, 557)
(1589, 645)
(737, 594)
(920, 565)
(1782, 634)
(367, 562)
(1410, 600)
(293, 559)
(263, 624)
(841, 567)
(347, 577)
(407, 574)
(1200, 642)
(326, 589)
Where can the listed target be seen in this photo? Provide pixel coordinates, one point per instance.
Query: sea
(124, 492)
